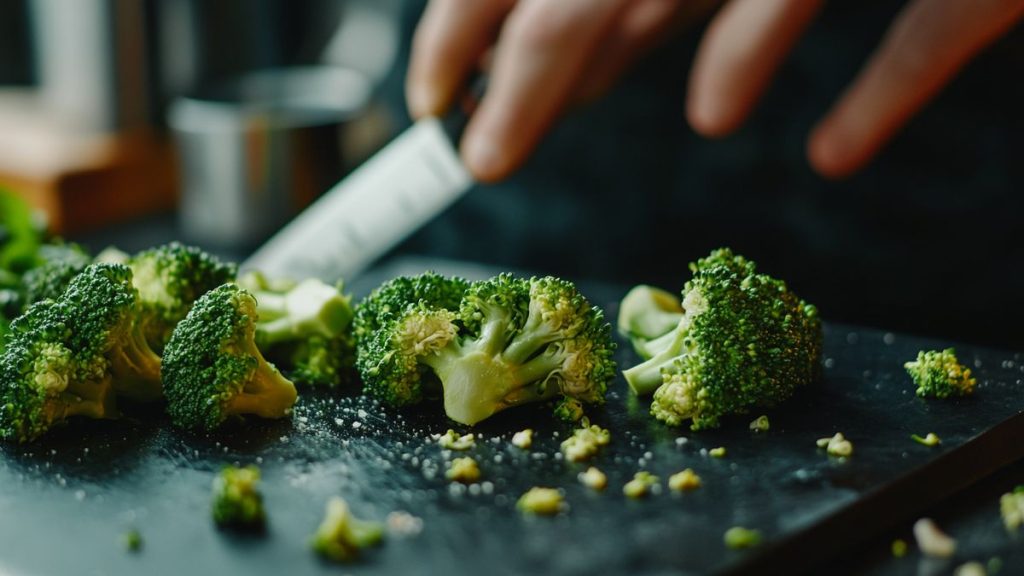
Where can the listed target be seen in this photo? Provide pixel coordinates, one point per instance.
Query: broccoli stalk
(213, 370)
(511, 342)
(648, 316)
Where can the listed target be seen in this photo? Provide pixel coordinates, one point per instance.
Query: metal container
(254, 151)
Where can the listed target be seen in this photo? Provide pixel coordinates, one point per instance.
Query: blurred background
(138, 121)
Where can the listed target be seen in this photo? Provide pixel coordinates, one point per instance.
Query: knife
(406, 184)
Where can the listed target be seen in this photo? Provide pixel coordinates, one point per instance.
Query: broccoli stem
(266, 394)
(464, 371)
(646, 377)
(136, 368)
(87, 398)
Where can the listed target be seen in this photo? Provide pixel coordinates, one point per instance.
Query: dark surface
(67, 499)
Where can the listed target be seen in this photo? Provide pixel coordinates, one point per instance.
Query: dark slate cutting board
(66, 500)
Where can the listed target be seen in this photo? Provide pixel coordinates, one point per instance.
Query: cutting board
(67, 499)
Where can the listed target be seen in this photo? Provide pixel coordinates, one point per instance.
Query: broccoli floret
(643, 482)
(43, 382)
(102, 311)
(585, 442)
(305, 330)
(940, 375)
(61, 263)
(341, 536)
(169, 279)
(739, 537)
(593, 479)
(237, 501)
(542, 501)
(744, 341)
(212, 369)
(464, 470)
(504, 343)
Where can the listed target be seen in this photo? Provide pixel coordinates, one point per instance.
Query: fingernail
(482, 155)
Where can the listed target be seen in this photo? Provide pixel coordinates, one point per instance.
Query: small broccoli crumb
(523, 439)
(341, 536)
(760, 424)
(132, 540)
(837, 445)
(640, 485)
(932, 541)
(940, 375)
(684, 481)
(970, 569)
(542, 501)
(569, 409)
(899, 548)
(593, 479)
(237, 501)
(930, 440)
(1011, 507)
(739, 537)
(585, 442)
(463, 470)
(452, 440)
(995, 565)
(717, 452)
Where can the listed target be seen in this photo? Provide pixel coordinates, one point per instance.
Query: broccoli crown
(341, 536)
(61, 263)
(306, 330)
(237, 501)
(212, 368)
(169, 279)
(939, 374)
(101, 306)
(507, 341)
(744, 341)
(43, 381)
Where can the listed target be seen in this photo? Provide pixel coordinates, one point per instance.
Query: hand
(545, 54)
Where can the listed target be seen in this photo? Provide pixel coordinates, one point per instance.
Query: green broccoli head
(169, 279)
(237, 501)
(212, 369)
(101, 307)
(744, 341)
(939, 374)
(61, 263)
(505, 342)
(305, 329)
(42, 382)
(341, 536)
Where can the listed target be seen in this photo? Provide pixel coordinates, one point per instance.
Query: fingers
(643, 25)
(926, 46)
(542, 51)
(737, 58)
(450, 39)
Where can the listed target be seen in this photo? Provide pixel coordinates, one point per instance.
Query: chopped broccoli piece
(341, 536)
(452, 440)
(569, 410)
(170, 278)
(489, 345)
(684, 481)
(593, 479)
(930, 440)
(760, 424)
(1011, 508)
(305, 330)
(585, 442)
(899, 548)
(932, 541)
(463, 470)
(739, 537)
(744, 341)
(213, 370)
(837, 445)
(718, 452)
(940, 375)
(641, 484)
(523, 439)
(132, 540)
(237, 501)
(973, 568)
(542, 501)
